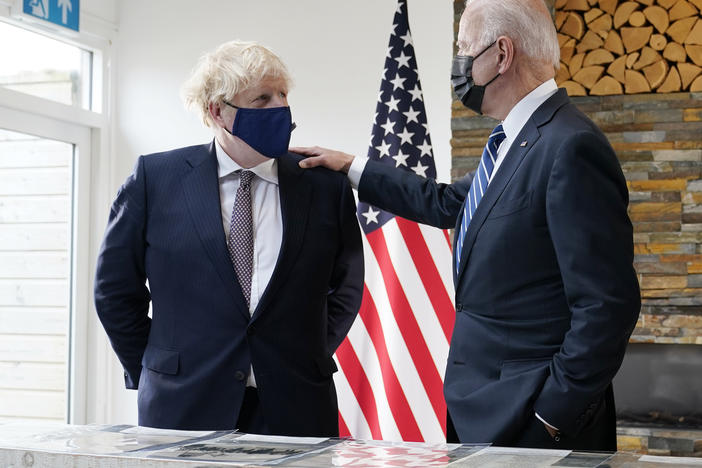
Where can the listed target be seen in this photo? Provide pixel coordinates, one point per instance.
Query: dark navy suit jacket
(190, 360)
(546, 295)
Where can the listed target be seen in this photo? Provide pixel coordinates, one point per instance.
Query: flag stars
(388, 126)
(389, 53)
(416, 93)
(411, 115)
(425, 148)
(407, 38)
(392, 104)
(371, 216)
(384, 149)
(402, 60)
(401, 159)
(398, 82)
(420, 170)
(405, 136)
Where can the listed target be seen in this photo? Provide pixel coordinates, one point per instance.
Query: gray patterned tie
(241, 242)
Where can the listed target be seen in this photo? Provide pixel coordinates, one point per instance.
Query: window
(35, 275)
(49, 129)
(45, 67)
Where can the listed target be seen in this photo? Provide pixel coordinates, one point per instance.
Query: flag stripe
(403, 365)
(408, 326)
(430, 275)
(362, 345)
(348, 405)
(360, 386)
(442, 257)
(417, 296)
(448, 238)
(399, 406)
(343, 428)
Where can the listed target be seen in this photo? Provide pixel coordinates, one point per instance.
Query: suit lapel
(456, 230)
(201, 189)
(295, 196)
(513, 159)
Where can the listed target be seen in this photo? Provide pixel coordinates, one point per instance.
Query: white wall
(335, 50)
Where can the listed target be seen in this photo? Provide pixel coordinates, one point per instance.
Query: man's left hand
(552, 432)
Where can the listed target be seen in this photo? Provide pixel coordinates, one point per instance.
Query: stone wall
(658, 139)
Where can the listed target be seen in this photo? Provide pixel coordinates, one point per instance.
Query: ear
(216, 113)
(505, 48)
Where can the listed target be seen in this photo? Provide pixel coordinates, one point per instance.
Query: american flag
(393, 361)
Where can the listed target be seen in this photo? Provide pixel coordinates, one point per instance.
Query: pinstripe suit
(190, 360)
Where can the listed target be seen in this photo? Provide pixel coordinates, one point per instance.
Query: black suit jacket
(190, 360)
(546, 295)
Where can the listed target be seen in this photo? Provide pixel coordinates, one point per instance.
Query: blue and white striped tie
(479, 186)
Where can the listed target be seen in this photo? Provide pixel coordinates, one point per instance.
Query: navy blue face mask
(267, 130)
(470, 94)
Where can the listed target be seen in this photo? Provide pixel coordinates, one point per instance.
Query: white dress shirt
(512, 125)
(267, 219)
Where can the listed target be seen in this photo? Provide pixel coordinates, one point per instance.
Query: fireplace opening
(660, 385)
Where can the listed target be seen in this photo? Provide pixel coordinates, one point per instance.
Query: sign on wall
(63, 13)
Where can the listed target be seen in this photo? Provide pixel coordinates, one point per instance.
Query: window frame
(89, 362)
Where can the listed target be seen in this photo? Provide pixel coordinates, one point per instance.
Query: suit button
(251, 330)
(459, 306)
(238, 375)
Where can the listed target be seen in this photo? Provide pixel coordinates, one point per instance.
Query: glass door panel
(36, 223)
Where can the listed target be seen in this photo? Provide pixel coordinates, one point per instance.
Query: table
(62, 446)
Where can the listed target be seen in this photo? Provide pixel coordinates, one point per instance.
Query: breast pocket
(510, 206)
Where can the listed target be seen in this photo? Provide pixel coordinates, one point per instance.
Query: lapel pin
(524, 143)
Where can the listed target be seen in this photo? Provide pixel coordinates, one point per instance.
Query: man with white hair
(546, 293)
(254, 266)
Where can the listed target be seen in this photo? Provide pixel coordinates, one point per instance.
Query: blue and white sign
(61, 12)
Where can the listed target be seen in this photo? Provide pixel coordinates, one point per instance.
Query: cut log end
(636, 83)
(574, 89)
(672, 83)
(606, 86)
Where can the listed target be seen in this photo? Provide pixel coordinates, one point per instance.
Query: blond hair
(231, 68)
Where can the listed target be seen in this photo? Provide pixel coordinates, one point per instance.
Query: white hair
(231, 68)
(531, 29)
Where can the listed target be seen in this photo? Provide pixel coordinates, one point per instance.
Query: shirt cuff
(356, 170)
(544, 421)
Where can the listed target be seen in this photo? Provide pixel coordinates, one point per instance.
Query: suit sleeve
(346, 290)
(586, 209)
(121, 296)
(413, 197)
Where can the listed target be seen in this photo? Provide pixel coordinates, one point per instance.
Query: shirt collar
(267, 170)
(520, 113)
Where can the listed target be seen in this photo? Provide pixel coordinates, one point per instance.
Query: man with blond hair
(254, 266)
(546, 293)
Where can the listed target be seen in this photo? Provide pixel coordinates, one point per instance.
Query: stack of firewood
(617, 47)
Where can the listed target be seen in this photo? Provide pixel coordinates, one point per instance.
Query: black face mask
(468, 92)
